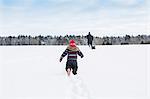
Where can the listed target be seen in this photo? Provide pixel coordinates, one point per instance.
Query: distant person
(72, 50)
(90, 39)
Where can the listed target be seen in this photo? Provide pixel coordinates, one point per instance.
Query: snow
(108, 72)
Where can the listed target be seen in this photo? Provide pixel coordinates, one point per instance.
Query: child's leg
(68, 71)
(74, 67)
(75, 70)
(68, 67)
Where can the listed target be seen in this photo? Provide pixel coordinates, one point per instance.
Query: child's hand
(60, 59)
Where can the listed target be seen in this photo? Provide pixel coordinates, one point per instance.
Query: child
(72, 50)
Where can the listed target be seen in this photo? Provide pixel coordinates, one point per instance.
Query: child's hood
(73, 48)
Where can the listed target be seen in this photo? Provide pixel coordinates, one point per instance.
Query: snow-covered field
(108, 72)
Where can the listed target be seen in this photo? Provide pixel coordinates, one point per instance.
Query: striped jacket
(72, 53)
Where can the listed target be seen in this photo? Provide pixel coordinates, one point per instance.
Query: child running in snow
(72, 50)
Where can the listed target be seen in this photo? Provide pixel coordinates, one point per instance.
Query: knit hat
(72, 43)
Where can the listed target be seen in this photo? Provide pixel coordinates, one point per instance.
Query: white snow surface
(108, 72)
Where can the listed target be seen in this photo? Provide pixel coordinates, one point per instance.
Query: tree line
(80, 40)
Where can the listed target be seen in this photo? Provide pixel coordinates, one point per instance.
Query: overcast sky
(61, 17)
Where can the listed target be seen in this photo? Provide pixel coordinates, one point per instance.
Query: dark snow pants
(90, 43)
(72, 64)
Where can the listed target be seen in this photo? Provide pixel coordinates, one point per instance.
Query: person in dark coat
(90, 39)
(72, 51)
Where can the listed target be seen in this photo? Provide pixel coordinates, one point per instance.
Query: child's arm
(63, 54)
(80, 54)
